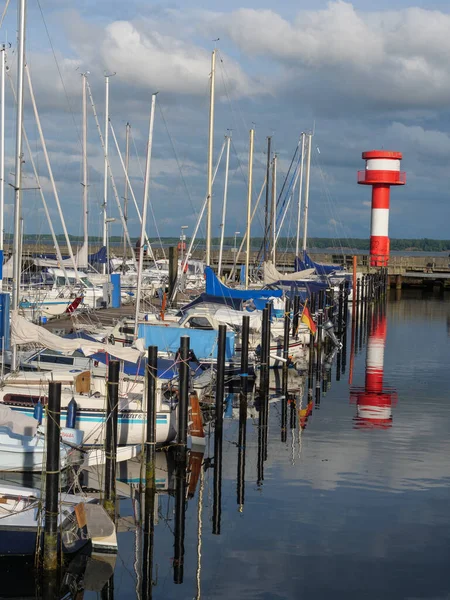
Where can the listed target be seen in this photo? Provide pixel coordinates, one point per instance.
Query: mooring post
(152, 377)
(340, 310)
(52, 477)
(346, 293)
(218, 431)
(183, 404)
(358, 298)
(264, 372)
(329, 304)
(173, 271)
(244, 353)
(284, 401)
(296, 315)
(112, 414)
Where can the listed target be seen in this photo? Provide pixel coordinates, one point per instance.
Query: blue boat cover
(203, 342)
(235, 303)
(214, 287)
(98, 257)
(308, 263)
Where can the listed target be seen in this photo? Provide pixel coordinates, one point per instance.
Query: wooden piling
(112, 415)
(264, 372)
(173, 271)
(296, 315)
(183, 403)
(287, 326)
(150, 442)
(244, 353)
(52, 477)
(218, 432)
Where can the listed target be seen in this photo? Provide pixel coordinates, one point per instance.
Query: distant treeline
(418, 245)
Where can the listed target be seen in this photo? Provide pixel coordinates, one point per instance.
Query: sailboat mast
(85, 167)
(210, 159)
(249, 205)
(267, 208)
(106, 172)
(144, 213)
(2, 147)
(18, 167)
(224, 209)
(305, 212)
(274, 209)
(125, 196)
(300, 190)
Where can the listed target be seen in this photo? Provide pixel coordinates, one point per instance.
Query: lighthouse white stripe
(380, 222)
(382, 164)
(375, 355)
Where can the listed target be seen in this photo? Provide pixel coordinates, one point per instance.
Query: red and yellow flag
(308, 320)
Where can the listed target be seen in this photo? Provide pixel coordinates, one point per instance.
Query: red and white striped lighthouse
(382, 170)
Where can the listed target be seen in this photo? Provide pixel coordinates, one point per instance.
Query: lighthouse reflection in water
(374, 401)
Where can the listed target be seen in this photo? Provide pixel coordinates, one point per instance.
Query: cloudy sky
(361, 78)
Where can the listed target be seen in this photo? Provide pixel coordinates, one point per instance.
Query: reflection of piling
(287, 324)
(107, 592)
(261, 449)
(241, 450)
(149, 531)
(184, 390)
(150, 484)
(293, 413)
(180, 516)
(244, 354)
(318, 359)
(311, 366)
(112, 414)
(343, 350)
(264, 373)
(52, 477)
(152, 374)
(218, 433)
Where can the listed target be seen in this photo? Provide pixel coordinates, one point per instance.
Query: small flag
(307, 320)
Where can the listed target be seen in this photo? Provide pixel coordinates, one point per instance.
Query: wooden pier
(413, 270)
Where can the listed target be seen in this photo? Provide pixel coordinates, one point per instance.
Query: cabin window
(23, 399)
(199, 323)
(60, 360)
(129, 330)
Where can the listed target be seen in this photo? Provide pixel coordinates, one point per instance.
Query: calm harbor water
(354, 505)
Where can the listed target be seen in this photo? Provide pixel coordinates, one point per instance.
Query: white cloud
(392, 56)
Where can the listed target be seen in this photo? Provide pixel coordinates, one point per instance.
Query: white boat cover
(81, 260)
(272, 275)
(16, 422)
(24, 332)
(229, 316)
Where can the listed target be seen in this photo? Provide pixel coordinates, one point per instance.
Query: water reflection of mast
(374, 401)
